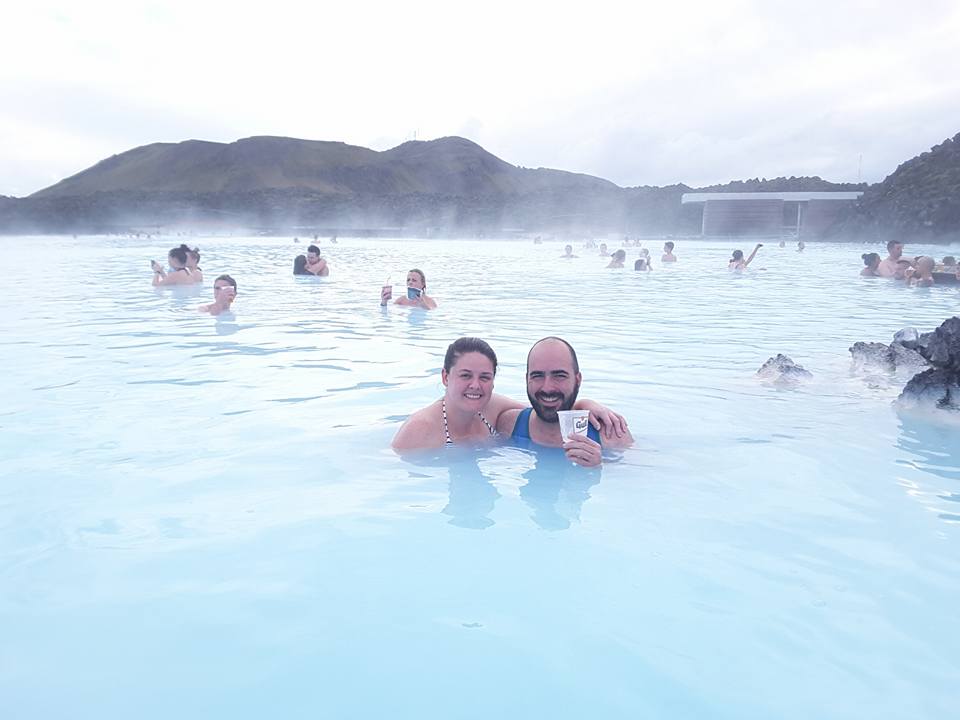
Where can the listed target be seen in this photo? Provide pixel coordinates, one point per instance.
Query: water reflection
(933, 447)
(555, 489)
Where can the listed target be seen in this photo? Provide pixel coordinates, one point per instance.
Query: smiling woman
(469, 368)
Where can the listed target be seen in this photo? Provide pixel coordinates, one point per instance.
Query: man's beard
(549, 414)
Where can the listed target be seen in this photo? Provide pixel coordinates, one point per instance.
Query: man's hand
(583, 451)
(608, 422)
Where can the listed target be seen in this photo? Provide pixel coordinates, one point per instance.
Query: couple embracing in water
(470, 411)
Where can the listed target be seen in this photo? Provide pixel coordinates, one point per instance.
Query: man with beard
(553, 381)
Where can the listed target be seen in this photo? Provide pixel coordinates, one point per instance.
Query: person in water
(300, 265)
(890, 267)
(738, 263)
(193, 265)
(568, 253)
(416, 292)
(617, 259)
(553, 383)
(871, 262)
(469, 410)
(179, 273)
(642, 265)
(224, 293)
(922, 276)
(603, 250)
(316, 265)
(668, 255)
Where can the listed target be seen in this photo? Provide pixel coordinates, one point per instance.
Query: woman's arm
(753, 254)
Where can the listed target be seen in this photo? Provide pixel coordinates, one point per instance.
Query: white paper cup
(573, 422)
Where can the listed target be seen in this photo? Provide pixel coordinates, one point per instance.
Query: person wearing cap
(618, 257)
(553, 382)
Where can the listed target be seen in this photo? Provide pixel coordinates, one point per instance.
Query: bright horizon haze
(694, 92)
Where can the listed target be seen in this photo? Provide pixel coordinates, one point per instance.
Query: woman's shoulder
(417, 429)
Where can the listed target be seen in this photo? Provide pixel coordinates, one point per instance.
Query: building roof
(788, 196)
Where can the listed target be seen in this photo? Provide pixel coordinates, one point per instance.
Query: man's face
(896, 251)
(551, 383)
(312, 257)
(224, 292)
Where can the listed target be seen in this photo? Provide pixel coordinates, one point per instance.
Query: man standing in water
(890, 266)
(224, 293)
(316, 265)
(553, 382)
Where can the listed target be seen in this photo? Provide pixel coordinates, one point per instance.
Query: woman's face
(174, 263)
(470, 381)
(192, 260)
(415, 281)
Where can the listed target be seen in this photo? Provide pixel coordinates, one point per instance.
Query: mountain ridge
(450, 185)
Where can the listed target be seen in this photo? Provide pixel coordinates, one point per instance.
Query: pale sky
(640, 93)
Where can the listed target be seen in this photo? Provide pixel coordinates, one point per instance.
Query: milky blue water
(201, 517)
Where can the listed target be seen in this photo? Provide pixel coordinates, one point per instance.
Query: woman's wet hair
(227, 279)
(738, 254)
(300, 265)
(179, 254)
(870, 258)
(669, 245)
(949, 260)
(423, 281)
(195, 252)
(620, 255)
(640, 264)
(466, 345)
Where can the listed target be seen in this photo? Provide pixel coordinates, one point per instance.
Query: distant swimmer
(316, 265)
(553, 383)
(469, 410)
(668, 255)
(193, 265)
(333, 240)
(948, 264)
(224, 293)
(890, 266)
(618, 258)
(179, 274)
(800, 245)
(300, 265)
(922, 276)
(642, 265)
(783, 243)
(416, 292)
(871, 262)
(738, 263)
(603, 250)
(568, 253)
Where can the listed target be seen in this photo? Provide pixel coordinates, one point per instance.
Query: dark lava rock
(908, 337)
(873, 356)
(904, 357)
(943, 349)
(936, 388)
(781, 369)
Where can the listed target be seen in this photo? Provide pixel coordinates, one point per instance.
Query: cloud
(645, 93)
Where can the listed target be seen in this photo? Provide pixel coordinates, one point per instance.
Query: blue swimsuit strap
(521, 429)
